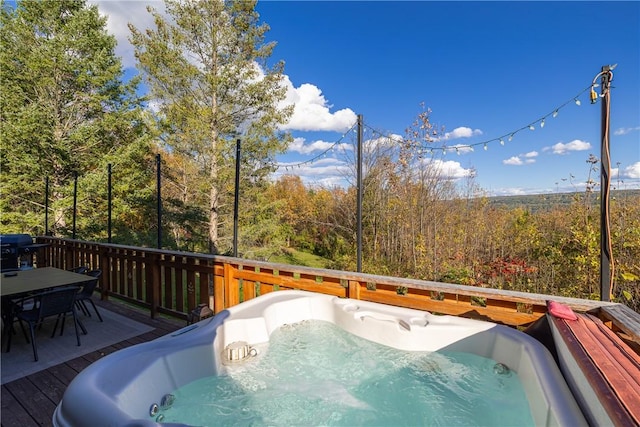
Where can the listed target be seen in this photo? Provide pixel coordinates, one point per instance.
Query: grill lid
(16, 240)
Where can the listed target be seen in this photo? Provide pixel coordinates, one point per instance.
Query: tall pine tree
(206, 68)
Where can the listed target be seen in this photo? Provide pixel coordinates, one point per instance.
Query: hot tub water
(314, 373)
(420, 367)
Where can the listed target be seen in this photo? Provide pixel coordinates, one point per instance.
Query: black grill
(17, 251)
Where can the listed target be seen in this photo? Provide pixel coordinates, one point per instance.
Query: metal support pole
(46, 206)
(359, 202)
(236, 201)
(605, 170)
(159, 201)
(109, 202)
(75, 203)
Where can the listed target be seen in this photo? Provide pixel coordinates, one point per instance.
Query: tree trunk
(214, 196)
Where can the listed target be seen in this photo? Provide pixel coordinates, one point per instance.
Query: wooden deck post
(153, 281)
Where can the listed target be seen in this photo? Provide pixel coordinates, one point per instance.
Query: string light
(458, 148)
(321, 155)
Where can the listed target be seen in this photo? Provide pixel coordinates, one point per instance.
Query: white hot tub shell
(120, 389)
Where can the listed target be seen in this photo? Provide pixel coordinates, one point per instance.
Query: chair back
(57, 301)
(94, 273)
(90, 285)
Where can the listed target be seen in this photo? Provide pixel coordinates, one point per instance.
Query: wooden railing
(173, 283)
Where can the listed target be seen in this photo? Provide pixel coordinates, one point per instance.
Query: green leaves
(202, 66)
(65, 110)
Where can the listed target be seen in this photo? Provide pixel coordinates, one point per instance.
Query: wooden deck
(30, 401)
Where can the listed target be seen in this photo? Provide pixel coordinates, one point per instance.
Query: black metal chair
(56, 302)
(80, 269)
(86, 292)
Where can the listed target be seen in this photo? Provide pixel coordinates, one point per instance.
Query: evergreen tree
(64, 111)
(206, 68)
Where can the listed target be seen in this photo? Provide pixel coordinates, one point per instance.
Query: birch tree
(205, 63)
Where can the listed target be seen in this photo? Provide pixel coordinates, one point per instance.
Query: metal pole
(159, 201)
(605, 170)
(75, 202)
(46, 206)
(236, 200)
(109, 202)
(359, 202)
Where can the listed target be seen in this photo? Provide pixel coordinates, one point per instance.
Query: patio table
(25, 281)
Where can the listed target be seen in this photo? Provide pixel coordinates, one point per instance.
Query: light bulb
(485, 147)
(501, 141)
(577, 101)
(555, 114)
(532, 127)
(542, 123)
(510, 137)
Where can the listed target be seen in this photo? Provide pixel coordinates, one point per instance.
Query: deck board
(31, 400)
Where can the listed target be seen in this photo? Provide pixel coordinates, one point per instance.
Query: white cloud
(382, 142)
(522, 159)
(462, 132)
(312, 111)
(328, 172)
(575, 145)
(449, 169)
(518, 191)
(298, 145)
(632, 171)
(509, 192)
(459, 149)
(624, 131)
(121, 13)
(513, 161)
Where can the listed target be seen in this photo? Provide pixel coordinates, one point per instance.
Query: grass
(296, 257)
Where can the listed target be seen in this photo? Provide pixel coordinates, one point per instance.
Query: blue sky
(485, 69)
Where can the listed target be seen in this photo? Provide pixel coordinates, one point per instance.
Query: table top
(37, 279)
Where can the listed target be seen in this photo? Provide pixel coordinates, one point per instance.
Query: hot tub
(126, 387)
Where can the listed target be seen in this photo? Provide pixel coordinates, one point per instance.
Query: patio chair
(80, 269)
(86, 292)
(56, 302)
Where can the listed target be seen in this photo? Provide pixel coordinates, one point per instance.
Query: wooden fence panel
(186, 279)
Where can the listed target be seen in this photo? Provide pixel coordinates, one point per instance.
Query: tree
(207, 69)
(65, 110)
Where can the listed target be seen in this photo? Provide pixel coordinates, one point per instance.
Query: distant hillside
(538, 202)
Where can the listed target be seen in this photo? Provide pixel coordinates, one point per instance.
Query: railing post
(69, 256)
(353, 290)
(192, 302)
(105, 277)
(231, 295)
(219, 288)
(153, 279)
